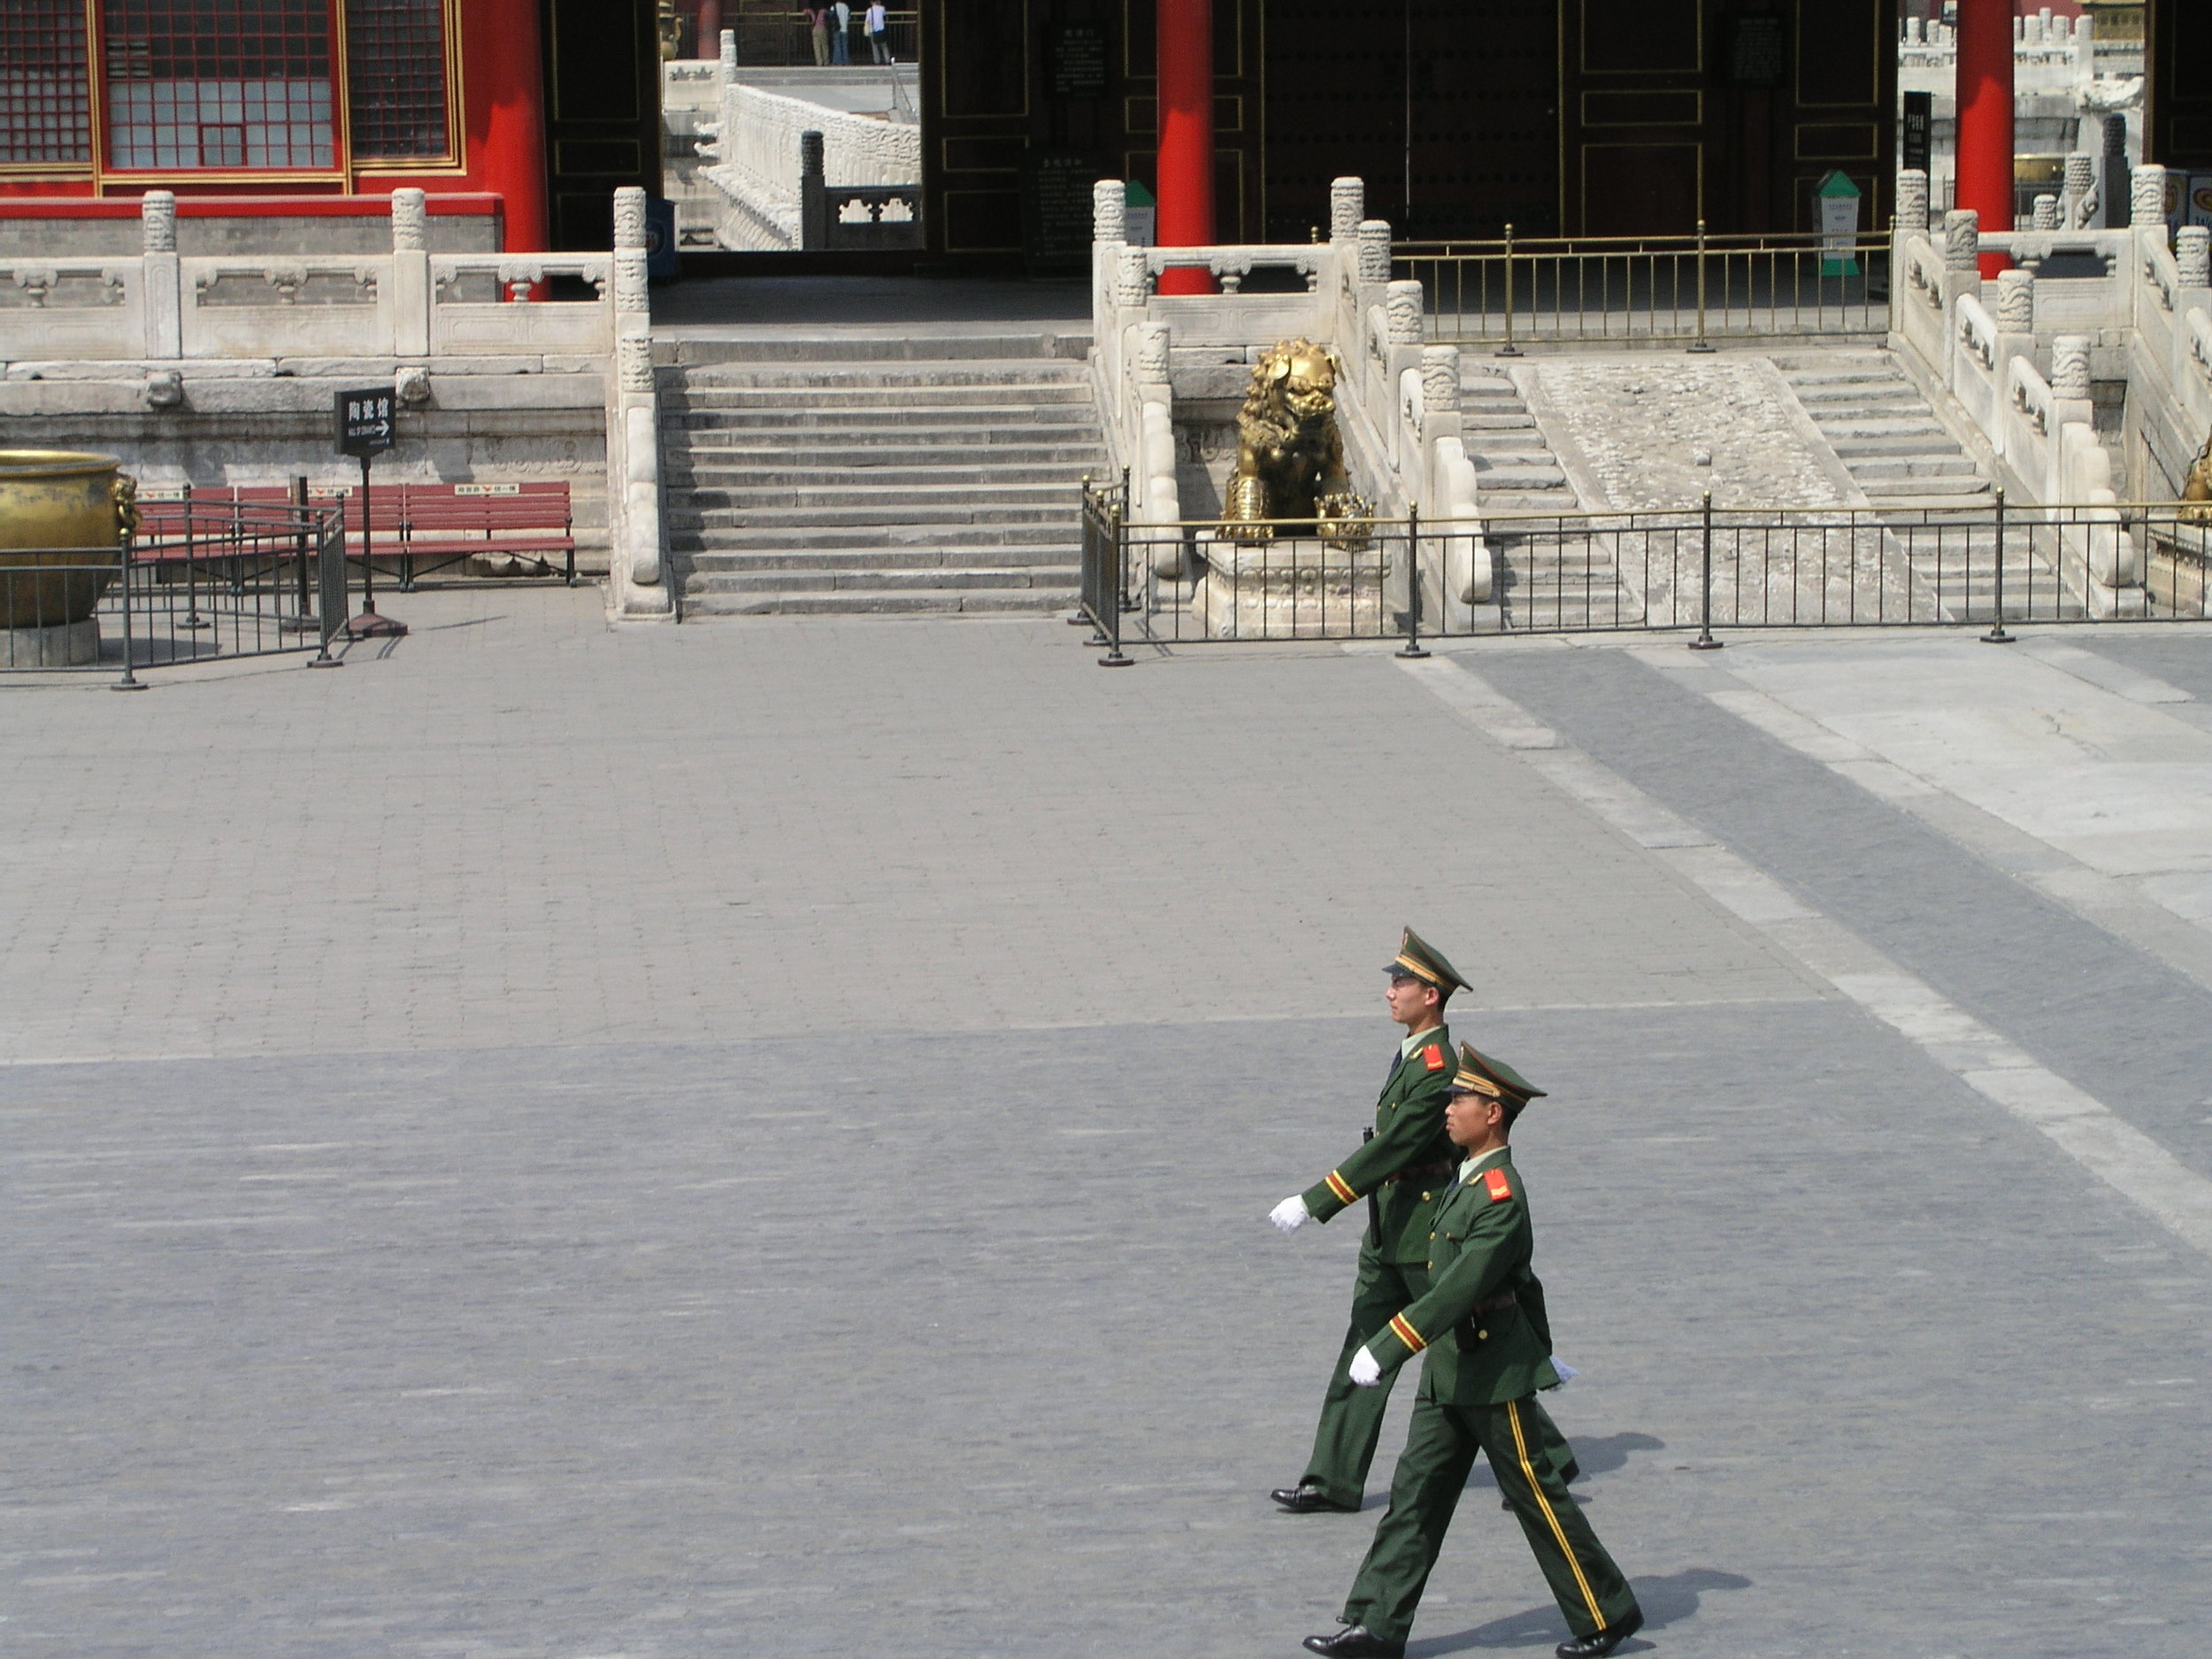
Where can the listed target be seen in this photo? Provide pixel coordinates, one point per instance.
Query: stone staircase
(864, 471)
(1515, 468)
(1882, 429)
(1544, 580)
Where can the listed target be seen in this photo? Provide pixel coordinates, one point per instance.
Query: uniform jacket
(1409, 1133)
(1480, 1251)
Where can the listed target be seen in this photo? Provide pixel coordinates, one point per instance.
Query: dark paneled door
(1449, 111)
(602, 113)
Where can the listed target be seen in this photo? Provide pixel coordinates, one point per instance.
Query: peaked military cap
(1417, 959)
(1479, 1074)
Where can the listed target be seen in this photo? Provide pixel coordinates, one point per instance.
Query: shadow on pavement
(1666, 1601)
(1598, 1454)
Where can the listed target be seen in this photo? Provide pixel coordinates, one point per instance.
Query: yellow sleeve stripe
(1406, 1333)
(1343, 1189)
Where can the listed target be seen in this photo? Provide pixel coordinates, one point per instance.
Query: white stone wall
(756, 160)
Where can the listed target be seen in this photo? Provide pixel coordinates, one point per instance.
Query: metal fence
(1691, 289)
(197, 583)
(1707, 569)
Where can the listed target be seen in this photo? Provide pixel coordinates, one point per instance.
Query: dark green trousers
(1439, 1455)
(1351, 1417)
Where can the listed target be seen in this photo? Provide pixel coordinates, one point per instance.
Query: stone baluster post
(2081, 207)
(411, 273)
(639, 584)
(727, 72)
(813, 193)
(1912, 199)
(2147, 200)
(2015, 302)
(1348, 205)
(2192, 256)
(164, 278)
(2046, 212)
(1110, 211)
(2070, 380)
(1401, 312)
(1132, 284)
(1962, 240)
(1374, 252)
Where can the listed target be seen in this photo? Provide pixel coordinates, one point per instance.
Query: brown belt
(1420, 1172)
(1498, 1303)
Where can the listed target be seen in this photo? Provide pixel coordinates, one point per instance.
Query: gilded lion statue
(1290, 456)
(2196, 491)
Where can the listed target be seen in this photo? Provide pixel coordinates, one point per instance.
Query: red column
(504, 78)
(1985, 93)
(1185, 217)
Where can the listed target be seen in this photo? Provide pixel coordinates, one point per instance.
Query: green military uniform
(1487, 1355)
(1400, 1171)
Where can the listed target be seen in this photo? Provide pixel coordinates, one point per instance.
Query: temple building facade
(1560, 118)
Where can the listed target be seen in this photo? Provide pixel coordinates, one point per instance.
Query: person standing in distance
(1402, 1166)
(1486, 1362)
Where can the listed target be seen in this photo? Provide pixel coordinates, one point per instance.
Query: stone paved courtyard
(753, 1138)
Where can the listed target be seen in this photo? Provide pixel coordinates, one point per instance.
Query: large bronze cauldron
(52, 500)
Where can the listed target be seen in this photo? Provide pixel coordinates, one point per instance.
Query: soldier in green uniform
(1403, 1165)
(1486, 1359)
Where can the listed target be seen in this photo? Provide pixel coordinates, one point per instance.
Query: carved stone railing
(2015, 355)
(408, 303)
(757, 166)
(1169, 364)
(853, 217)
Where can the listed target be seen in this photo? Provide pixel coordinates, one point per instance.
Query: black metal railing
(1692, 290)
(1710, 568)
(197, 583)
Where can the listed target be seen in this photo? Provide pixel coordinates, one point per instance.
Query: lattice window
(220, 83)
(45, 97)
(396, 81)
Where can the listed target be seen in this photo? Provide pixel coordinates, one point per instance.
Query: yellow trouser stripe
(1343, 1189)
(1520, 1448)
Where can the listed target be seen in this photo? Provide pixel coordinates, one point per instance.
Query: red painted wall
(501, 122)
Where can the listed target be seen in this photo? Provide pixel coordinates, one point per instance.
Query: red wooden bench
(422, 527)
(448, 523)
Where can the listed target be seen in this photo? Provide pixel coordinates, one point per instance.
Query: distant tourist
(841, 41)
(878, 32)
(818, 18)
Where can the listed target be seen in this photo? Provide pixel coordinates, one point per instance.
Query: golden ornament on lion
(1289, 476)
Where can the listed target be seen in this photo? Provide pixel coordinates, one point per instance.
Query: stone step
(883, 580)
(883, 503)
(1039, 556)
(870, 517)
(1500, 422)
(1851, 445)
(701, 399)
(981, 379)
(1073, 458)
(879, 601)
(887, 423)
(1519, 477)
(1930, 466)
(723, 537)
(697, 472)
(674, 348)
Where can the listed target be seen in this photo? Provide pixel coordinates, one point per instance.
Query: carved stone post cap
(1153, 340)
(1374, 251)
(1110, 211)
(1962, 238)
(2070, 367)
(158, 221)
(2047, 211)
(1348, 205)
(1440, 378)
(2193, 254)
(411, 220)
(2015, 301)
(1912, 199)
(2146, 195)
(629, 217)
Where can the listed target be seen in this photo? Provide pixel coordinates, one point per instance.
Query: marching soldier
(1403, 1165)
(1486, 1362)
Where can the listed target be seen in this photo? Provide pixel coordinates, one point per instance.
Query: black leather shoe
(1355, 1641)
(1303, 1500)
(1600, 1643)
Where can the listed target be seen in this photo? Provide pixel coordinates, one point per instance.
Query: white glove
(1567, 1373)
(1362, 1370)
(1290, 1214)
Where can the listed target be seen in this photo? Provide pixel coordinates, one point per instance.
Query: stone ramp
(874, 469)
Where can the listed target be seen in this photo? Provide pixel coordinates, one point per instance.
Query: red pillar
(1985, 93)
(1186, 218)
(504, 74)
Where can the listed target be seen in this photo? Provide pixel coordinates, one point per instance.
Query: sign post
(366, 426)
(1836, 202)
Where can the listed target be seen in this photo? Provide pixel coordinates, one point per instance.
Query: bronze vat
(53, 501)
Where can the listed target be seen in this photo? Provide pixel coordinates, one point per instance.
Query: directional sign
(365, 421)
